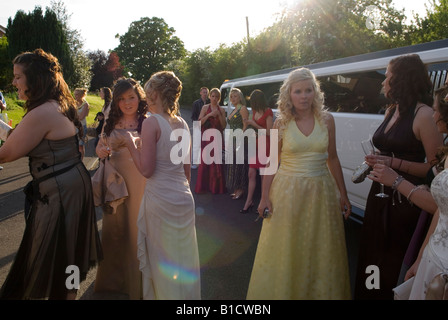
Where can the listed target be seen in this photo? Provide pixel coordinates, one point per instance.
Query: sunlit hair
(287, 111)
(440, 101)
(258, 101)
(107, 96)
(45, 82)
(409, 82)
(240, 95)
(120, 88)
(81, 91)
(169, 88)
(215, 90)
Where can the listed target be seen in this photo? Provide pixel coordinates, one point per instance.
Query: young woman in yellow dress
(301, 251)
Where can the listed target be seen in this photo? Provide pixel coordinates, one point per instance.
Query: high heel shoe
(237, 195)
(244, 211)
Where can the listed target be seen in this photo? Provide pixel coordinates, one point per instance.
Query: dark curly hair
(45, 82)
(115, 114)
(410, 83)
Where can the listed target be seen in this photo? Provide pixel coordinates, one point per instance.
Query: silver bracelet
(397, 182)
(422, 186)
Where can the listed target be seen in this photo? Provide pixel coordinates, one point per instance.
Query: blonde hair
(215, 90)
(285, 106)
(81, 90)
(169, 87)
(240, 95)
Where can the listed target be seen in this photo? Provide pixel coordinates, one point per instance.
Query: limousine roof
(430, 52)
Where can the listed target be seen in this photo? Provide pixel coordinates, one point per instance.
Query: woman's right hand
(264, 203)
(103, 151)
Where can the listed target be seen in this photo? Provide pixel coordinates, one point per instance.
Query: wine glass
(103, 137)
(386, 162)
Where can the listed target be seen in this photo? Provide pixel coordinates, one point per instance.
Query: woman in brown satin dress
(119, 272)
(61, 232)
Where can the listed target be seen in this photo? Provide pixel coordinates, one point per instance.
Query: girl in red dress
(211, 175)
(262, 118)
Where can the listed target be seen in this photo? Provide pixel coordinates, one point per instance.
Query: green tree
(81, 75)
(196, 72)
(434, 26)
(27, 32)
(5, 66)
(148, 46)
(106, 69)
(322, 30)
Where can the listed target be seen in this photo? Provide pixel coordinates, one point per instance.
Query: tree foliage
(321, 30)
(148, 46)
(106, 69)
(306, 32)
(434, 26)
(5, 65)
(81, 75)
(27, 32)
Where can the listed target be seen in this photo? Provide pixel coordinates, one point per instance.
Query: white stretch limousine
(353, 93)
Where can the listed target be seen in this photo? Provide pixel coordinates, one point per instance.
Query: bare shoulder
(328, 118)
(423, 111)
(244, 108)
(48, 111)
(150, 121)
(424, 116)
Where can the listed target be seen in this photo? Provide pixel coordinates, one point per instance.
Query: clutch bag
(361, 172)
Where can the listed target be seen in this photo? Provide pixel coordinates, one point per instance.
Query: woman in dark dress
(409, 139)
(237, 171)
(61, 232)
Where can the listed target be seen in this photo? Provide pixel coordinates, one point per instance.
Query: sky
(198, 23)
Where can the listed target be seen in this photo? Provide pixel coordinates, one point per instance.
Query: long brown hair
(258, 101)
(107, 97)
(115, 114)
(410, 83)
(45, 82)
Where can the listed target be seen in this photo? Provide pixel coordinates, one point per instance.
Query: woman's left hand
(383, 174)
(346, 207)
(372, 159)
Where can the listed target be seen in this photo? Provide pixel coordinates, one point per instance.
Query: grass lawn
(15, 110)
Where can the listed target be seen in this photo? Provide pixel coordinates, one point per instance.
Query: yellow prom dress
(301, 251)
